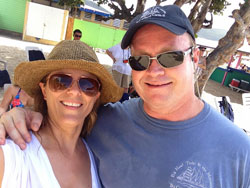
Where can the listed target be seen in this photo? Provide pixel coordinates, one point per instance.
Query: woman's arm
(1, 165)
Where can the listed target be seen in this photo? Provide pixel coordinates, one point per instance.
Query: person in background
(202, 61)
(67, 88)
(14, 96)
(202, 58)
(120, 69)
(168, 137)
(244, 67)
(77, 34)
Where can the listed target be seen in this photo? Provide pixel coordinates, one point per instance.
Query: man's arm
(16, 123)
(111, 55)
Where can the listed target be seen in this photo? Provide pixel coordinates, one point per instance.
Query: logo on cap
(154, 11)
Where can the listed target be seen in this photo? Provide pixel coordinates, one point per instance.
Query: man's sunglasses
(62, 81)
(78, 36)
(166, 59)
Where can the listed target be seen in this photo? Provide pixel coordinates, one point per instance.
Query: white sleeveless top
(31, 168)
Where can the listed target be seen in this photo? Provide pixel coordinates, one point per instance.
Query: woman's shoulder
(12, 150)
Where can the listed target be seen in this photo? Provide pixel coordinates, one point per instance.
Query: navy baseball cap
(170, 17)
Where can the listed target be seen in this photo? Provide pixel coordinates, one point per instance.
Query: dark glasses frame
(60, 82)
(142, 62)
(78, 36)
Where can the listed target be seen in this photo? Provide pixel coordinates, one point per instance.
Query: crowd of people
(79, 136)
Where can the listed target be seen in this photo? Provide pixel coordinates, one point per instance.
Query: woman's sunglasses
(166, 59)
(62, 81)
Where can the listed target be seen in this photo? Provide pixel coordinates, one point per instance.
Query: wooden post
(239, 60)
(69, 31)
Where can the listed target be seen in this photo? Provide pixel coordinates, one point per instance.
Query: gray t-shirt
(134, 150)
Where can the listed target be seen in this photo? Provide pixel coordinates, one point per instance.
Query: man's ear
(196, 53)
(42, 86)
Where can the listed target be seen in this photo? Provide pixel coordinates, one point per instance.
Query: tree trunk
(122, 12)
(198, 14)
(180, 2)
(140, 7)
(158, 2)
(228, 45)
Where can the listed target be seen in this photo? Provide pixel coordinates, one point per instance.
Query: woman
(14, 96)
(67, 89)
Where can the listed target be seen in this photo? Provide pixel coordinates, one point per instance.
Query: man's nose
(155, 68)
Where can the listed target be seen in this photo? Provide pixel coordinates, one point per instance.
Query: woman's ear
(42, 86)
(98, 95)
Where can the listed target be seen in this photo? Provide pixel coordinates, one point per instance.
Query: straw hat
(67, 55)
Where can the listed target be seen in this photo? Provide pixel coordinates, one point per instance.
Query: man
(168, 137)
(121, 70)
(77, 34)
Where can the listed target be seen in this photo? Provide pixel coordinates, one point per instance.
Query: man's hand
(16, 123)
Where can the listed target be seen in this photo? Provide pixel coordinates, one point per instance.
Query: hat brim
(167, 25)
(29, 74)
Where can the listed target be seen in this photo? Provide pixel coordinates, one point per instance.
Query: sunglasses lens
(59, 82)
(89, 86)
(171, 59)
(167, 60)
(139, 63)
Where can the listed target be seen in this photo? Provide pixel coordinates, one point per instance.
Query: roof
(92, 7)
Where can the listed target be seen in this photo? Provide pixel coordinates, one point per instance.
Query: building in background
(46, 22)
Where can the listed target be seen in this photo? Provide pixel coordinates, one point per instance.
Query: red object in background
(125, 61)
(235, 83)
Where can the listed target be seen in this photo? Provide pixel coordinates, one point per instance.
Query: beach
(13, 52)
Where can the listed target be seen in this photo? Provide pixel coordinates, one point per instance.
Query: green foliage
(247, 3)
(100, 2)
(218, 6)
(71, 3)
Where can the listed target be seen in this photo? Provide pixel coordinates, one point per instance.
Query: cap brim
(131, 31)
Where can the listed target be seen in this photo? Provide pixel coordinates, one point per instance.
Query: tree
(69, 3)
(72, 5)
(121, 11)
(227, 46)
